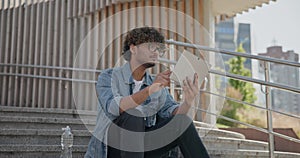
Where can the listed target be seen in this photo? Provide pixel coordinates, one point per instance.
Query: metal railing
(265, 83)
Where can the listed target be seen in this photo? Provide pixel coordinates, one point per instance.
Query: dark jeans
(179, 127)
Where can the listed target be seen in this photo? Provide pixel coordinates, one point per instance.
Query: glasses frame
(160, 47)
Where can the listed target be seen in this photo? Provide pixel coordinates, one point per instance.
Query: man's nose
(156, 52)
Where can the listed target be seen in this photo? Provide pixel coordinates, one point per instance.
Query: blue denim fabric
(112, 85)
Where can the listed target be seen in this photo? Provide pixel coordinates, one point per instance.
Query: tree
(236, 66)
(237, 89)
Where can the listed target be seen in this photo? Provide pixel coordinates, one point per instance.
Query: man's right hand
(162, 80)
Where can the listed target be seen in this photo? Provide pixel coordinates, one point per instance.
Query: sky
(277, 21)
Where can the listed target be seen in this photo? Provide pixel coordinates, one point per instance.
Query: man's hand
(190, 89)
(162, 80)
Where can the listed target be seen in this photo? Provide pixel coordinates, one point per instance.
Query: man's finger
(164, 75)
(186, 87)
(189, 82)
(196, 80)
(167, 72)
(165, 82)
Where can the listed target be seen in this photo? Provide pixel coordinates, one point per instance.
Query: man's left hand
(190, 89)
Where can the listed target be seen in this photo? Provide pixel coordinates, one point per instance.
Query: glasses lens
(152, 47)
(162, 52)
(161, 48)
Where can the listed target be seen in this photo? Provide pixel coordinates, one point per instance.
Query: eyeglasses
(161, 48)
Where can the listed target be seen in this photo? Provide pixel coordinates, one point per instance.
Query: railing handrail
(229, 52)
(253, 105)
(249, 79)
(249, 125)
(50, 67)
(243, 78)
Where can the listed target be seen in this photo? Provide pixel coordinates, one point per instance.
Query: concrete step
(17, 122)
(47, 112)
(203, 124)
(82, 137)
(217, 153)
(212, 132)
(50, 151)
(233, 143)
(62, 113)
(38, 151)
(40, 137)
(29, 132)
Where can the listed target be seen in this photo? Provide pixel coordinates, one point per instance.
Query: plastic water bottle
(66, 138)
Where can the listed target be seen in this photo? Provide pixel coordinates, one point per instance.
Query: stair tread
(46, 132)
(254, 153)
(37, 148)
(46, 110)
(82, 148)
(44, 120)
(234, 140)
(213, 131)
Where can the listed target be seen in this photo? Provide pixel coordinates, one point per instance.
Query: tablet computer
(187, 65)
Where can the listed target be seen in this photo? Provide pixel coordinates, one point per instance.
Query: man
(137, 116)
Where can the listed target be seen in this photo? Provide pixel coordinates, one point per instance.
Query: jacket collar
(127, 75)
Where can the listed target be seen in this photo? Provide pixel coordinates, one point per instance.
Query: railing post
(172, 58)
(268, 107)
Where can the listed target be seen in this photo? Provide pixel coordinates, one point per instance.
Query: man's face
(147, 53)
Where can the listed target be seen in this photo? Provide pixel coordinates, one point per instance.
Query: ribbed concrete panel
(20, 13)
(23, 53)
(42, 59)
(6, 46)
(49, 54)
(31, 53)
(37, 46)
(69, 36)
(12, 54)
(40, 40)
(2, 36)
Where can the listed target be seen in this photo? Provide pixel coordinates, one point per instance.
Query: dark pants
(176, 131)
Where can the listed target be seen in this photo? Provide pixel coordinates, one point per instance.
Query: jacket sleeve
(169, 104)
(108, 94)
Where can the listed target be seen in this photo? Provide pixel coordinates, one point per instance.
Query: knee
(183, 122)
(133, 112)
(183, 118)
(131, 120)
(135, 116)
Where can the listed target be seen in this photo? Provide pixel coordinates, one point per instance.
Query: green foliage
(236, 66)
(243, 91)
(230, 110)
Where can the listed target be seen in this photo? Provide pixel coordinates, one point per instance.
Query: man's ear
(133, 49)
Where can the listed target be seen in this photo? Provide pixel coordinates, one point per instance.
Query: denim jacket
(112, 85)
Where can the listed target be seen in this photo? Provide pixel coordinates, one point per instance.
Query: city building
(283, 100)
(227, 38)
(224, 39)
(244, 37)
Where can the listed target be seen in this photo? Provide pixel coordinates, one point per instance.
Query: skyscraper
(244, 37)
(227, 38)
(282, 74)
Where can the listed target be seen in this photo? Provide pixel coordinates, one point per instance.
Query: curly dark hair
(138, 36)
